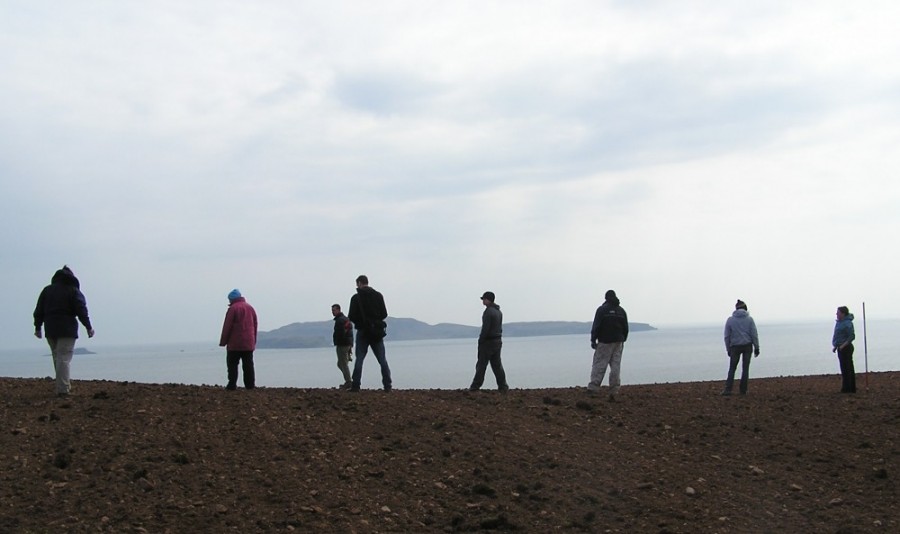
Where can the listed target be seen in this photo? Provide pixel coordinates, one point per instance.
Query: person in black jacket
(59, 308)
(489, 344)
(608, 335)
(343, 343)
(368, 313)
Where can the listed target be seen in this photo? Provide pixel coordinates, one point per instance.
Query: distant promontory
(317, 334)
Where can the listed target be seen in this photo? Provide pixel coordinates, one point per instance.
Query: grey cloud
(384, 92)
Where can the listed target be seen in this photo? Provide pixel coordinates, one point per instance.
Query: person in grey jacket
(489, 345)
(741, 338)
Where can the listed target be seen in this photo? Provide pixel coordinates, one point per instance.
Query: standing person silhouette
(368, 313)
(741, 338)
(842, 344)
(60, 307)
(239, 336)
(490, 343)
(609, 332)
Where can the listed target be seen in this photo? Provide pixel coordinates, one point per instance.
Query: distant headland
(317, 334)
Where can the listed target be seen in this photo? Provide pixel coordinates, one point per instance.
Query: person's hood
(848, 317)
(365, 289)
(740, 313)
(235, 301)
(613, 301)
(65, 276)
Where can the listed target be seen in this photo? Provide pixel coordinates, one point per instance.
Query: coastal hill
(316, 334)
(792, 456)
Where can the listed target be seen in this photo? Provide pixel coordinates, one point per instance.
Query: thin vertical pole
(865, 345)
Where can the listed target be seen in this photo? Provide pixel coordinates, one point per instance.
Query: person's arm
(81, 312)
(226, 327)
(754, 337)
(353, 311)
(595, 329)
(727, 335)
(39, 316)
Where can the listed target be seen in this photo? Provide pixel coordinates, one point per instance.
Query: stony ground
(793, 456)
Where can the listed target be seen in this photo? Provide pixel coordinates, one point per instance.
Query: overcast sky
(685, 154)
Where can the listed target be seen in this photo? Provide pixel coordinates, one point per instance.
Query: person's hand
(90, 332)
(756, 354)
(833, 349)
(37, 333)
(594, 345)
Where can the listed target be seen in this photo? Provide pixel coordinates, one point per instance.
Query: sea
(665, 355)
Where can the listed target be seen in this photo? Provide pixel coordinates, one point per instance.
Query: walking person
(842, 344)
(489, 345)
(60, 306)
(343, 343)
(368, 313)
(741, 338)
(239, 337)
(609, 332)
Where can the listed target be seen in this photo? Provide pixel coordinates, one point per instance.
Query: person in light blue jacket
(842, 344)
(741, 338)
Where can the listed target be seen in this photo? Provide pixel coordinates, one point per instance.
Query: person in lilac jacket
(741, 338)
(239, 338)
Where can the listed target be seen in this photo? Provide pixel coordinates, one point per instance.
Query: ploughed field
(792, 456)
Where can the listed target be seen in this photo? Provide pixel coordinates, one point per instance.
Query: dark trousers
(362, 348)
(848, 373)
(245, 358)
(489, 352)
(739, 353)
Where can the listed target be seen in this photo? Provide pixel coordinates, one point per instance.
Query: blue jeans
(362, 347)
(739, 353)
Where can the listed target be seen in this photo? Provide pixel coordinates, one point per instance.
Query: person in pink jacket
(239, 338)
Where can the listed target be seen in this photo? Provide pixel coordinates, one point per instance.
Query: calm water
(683, 354)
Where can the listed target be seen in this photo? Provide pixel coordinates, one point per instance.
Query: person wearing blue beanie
(239, 338)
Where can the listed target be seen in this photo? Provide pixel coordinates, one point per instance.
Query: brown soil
(793, 456)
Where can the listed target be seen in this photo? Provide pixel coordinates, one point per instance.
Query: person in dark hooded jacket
(609, 332)
(59, 308)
